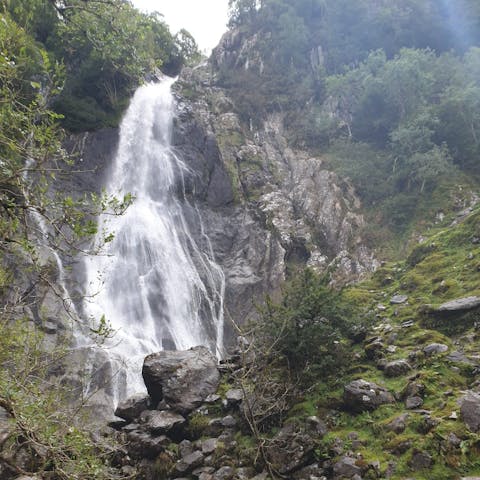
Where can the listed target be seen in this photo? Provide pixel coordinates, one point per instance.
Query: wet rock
(420, 461)
(397, 368)
(470, 410)
(435, 348)
(164, 421)
(187, 464)
(346, 467)
(399, 423)
(183, 378)
(398, 299)
(361, 395)
(413, 402)
(131, 408)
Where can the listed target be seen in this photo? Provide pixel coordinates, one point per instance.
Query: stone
(290, 449)
(398, 299)
(470, 410)
(459, 305)
(360, 395)
(213, 398)
(224, 473)
(346, 467)
(164, 421)
(413, 389)
(459, 357)
(209, 445)
(234, 397)
(6, 427)
(309, 472)
(407, 324)
(399, 423)
(183, 378)
(374, 349)
(143, 445)
(435, 348)
(185, 448)
(315, 426)
(420, 461)
(413, 402)
(187, 464)
(228, 421)
(131, 408)
(397, 368)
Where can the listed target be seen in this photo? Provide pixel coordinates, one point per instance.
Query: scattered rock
(186, 464)
(398, 299)
(413, 402)
(361, 395)
(420, 461)
(209, 445)
(159, 422)
(224, 473)
(397, 368)
(435, 348)
(391, 349)
(183, 378)
(143, 445)
(381, 307)
(407, 324)
(399, 423)
(470, 410)
(228, 421)
(459, 357)
(234, 397)
(213, 398)
(290, 449)
(132, 408)
(346, 467)
(374, 349)
(316, 426)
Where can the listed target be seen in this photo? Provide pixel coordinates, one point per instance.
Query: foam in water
(153, 283)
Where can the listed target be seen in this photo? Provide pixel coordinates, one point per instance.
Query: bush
(310, 328)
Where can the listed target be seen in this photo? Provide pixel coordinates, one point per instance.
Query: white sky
(205, 19)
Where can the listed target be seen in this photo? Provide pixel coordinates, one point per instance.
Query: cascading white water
(153, 283)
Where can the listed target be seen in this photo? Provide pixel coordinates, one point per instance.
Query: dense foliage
(107, 47)
(390, 89)
(311, 328)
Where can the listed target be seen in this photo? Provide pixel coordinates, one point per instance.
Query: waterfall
(157, 286)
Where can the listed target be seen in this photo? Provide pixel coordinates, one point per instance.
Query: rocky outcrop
(361, 395)
(183, 379)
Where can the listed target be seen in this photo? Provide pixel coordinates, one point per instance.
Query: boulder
(361, 395)
(470, 410)
(420, 461)
(131, 408)
(346, 467)
(399, 423)
(290, 449)
(459, 305)
(209, 445)
(224, 473)
(234, 397)
(186, 464)
(435, 348)
(159, 422)
(413, 402)
(143, 445)
(184, 379)
(397, 368)
(398, 299)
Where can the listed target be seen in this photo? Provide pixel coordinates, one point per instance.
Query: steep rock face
(284, 206)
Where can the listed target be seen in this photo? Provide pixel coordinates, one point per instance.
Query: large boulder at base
(470, 410)
(184, 379)
(361, 395)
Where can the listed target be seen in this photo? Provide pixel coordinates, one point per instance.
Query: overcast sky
(204, 19)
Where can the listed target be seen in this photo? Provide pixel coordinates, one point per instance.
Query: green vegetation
(107, 47)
